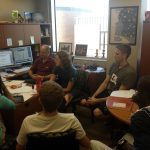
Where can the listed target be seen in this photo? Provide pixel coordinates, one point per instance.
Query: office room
(90, 36)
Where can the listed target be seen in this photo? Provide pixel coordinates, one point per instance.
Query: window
(83, 22)
(148, 5)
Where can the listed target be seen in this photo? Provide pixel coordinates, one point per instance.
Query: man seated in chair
(121, 76)
(49, 119)
(43, 66)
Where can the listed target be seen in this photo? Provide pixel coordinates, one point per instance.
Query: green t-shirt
(125, 76)
(6, 103)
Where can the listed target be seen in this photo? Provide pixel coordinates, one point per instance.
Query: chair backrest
(81, 82)
(52, 141)
(94, 81)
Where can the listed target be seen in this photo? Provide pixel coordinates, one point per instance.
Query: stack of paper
(123, 93)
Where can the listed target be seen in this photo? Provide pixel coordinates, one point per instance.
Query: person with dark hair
(140, 121)
(121, 76)
(65, 74)
(43, 66)
(6, 103)
(49, 119)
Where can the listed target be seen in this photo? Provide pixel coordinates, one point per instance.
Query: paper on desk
(120, 105)
(123, 93)
(23, 89)
(14, 82)
(27, 96)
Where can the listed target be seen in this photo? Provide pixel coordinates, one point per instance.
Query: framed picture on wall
(81, 49)
(123, 25)
(65, 47)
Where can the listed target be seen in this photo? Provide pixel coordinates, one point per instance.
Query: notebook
(119, 103)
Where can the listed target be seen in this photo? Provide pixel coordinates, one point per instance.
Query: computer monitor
(6, 58)
(22, 55)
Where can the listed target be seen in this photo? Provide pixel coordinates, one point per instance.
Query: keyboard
(20, 70)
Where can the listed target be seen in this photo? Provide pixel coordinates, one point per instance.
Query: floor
(97, 130)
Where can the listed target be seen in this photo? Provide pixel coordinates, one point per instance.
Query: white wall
(6, 6)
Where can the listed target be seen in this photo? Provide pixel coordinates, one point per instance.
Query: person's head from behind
(142, 96)
(51, 95)
(44, 51)
(122, 52)
(62, 59)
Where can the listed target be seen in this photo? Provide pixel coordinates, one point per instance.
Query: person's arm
(102, 87)
(52, 77)
(6, 103)
(85, 142)
(20, 147)
(47, 77)
(123, 87)
(34, 76)
(93, 101)
(69, 86)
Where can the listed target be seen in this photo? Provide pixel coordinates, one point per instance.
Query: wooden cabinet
(32, 34)
(1, 37)
(11, 34)
(145, 50)
(46, 34)
(14, 33)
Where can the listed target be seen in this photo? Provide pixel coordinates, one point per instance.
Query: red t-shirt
(43, 68)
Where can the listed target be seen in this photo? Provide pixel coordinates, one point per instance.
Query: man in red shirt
(43, 65)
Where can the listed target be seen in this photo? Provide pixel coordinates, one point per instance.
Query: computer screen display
(22, 55)
(6, 58)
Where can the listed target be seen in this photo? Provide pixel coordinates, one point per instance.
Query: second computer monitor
(22, 55)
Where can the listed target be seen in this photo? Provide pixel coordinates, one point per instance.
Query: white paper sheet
(119, 105)
(123, 93)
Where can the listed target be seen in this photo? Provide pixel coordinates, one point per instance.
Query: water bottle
(38, 84)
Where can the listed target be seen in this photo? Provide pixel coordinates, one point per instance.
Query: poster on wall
(123, 25)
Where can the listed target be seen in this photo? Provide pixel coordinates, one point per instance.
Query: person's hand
(36, 77)
(91, 101)
(83, 102)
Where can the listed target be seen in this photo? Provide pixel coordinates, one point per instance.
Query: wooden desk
(122, 114)
(13, 119)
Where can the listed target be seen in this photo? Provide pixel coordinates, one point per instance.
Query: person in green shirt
(6, 103)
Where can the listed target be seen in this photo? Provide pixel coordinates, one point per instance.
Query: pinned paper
(20, 42)
(32, 39)
(9, 41)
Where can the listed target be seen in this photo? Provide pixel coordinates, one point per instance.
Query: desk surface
(15, 73)
(122, 113)
(22, 89)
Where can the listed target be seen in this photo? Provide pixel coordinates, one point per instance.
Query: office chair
(51, 141)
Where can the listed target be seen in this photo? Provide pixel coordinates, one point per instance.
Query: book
(119, 103)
